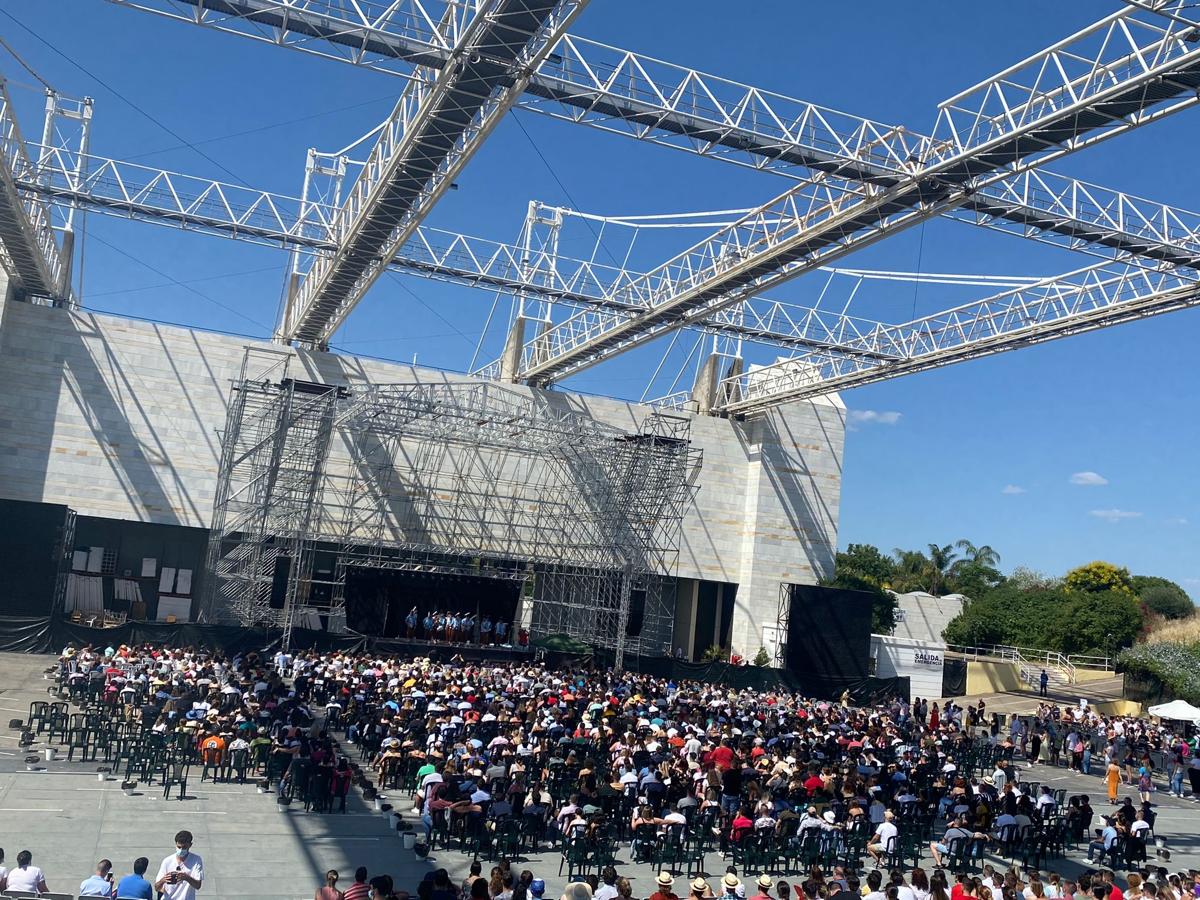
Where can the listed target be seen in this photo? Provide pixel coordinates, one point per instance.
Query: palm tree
(984, 555)
(912, 570)
(941, 564)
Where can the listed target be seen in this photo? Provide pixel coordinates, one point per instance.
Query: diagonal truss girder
(1122, 72)
(619, 91)
(443, 117)
(29, 253)
(143, 193)
(1085, 300)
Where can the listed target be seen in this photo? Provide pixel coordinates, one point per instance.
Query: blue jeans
(1177, 781)
(1087, 761)
(427, 821)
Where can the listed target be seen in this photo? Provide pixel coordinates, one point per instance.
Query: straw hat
(665, 880)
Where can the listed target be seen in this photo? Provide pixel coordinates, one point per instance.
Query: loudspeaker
(829, 632)
(637, 613)
(31, 546)
(279, 581)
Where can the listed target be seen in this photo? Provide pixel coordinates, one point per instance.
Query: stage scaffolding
(469, 478)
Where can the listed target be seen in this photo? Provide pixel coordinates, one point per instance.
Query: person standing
(181, 874)
(100, 884)
(501, 632)
(410, 623)
(1112, 777)
(485, 630)
(1044, 682)
(135, 886)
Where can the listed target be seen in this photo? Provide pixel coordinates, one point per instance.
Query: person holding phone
(101, 884)
(182, 873)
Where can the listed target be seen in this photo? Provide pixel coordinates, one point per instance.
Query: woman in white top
(26, 876)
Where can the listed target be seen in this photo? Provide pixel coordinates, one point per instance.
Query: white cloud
(1114, 515)
(1177, 520)
(1088, 478)
(1013, 489)
(859, 417)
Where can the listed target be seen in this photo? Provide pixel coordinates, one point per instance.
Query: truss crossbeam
(443, 117)
(1124, 72)
(615, 90)
(29, 253)
(1081, 301)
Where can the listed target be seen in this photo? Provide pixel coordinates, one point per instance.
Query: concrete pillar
(510, 360)
(705, 389)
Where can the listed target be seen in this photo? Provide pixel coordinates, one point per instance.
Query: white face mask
(181, 852)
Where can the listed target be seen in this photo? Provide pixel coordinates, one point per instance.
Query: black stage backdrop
(50, 635)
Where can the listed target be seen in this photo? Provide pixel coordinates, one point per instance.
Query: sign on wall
(927, 658)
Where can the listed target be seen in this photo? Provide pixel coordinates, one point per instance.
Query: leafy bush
(1177, 666)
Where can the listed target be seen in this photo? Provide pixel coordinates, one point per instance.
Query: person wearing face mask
(181, 873)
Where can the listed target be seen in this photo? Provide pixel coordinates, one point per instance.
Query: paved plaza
(68, 820)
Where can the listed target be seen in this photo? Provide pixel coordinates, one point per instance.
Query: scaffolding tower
(468, 478)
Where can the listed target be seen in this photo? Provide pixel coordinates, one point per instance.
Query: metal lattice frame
(273, 454)
(465, 478)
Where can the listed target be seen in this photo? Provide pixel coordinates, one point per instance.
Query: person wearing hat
(731, 884)
(537, 888)
(700, 890)
(764, 888)
(665, 882)
(578, 890)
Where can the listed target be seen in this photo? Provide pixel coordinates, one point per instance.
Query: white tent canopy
(1179, 710)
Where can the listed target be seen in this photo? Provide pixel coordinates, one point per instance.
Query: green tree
(1007, 615)
(866, 560)
(1163, 597)
(973, 579)
(761, 658)
(911, 571)
(1097, 577)
(941, 567)
(1099, 622)
(983, 555)
(1025, 579)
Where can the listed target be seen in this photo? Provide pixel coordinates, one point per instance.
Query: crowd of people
(648, 764)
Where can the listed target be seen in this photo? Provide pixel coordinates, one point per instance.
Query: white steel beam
(619, 91)
(1126, 70)
(29, 253)
(441, 120)
(1091, 298)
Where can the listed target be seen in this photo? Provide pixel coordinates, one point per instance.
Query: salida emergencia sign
(927, 658)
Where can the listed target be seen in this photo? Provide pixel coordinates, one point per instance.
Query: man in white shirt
(26, 876)
(885, 834)
(182, 873)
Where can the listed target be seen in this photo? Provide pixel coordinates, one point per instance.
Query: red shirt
(813, 783)
(1117, 893)
(722, 757)
(956, 892)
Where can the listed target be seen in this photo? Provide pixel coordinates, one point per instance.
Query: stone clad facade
(120, 419)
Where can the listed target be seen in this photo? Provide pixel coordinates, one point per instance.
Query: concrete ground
(68, 820)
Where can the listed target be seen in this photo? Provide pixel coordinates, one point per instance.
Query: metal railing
(1027, 659)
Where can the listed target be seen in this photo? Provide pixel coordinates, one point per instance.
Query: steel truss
(619, 91)
(29, 252)
(1091, 298)
(541, 274)
(469, 478)
(273, 453)
(443, 117)
(1125, 71)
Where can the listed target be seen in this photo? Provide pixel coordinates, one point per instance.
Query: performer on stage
(485, 630)
(410, 623)
(501, 632)
(452, 628)
(427, 625)
(468, 628)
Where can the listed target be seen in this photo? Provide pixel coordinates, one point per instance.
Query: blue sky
(985, 450)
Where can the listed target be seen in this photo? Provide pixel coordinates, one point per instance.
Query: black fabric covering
(954, 677)
(50, 635)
